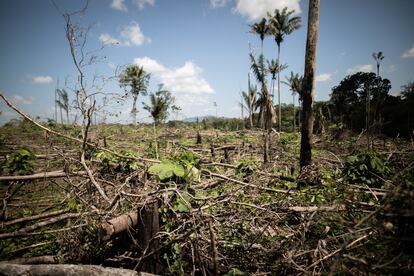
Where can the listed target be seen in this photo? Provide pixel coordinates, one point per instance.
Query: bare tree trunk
(278, 89)
(134, 110)
(309, 83)
(294, 123)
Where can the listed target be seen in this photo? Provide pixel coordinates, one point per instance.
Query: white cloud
(119, 5)
(186, 82)
(218, 3)
(107, 39)
(360, 68)
(141, 3)
(409, 53)
(42, 79)
(130, 35)
(20, 99)
(256, 9)
(323, 77)
(186, 79)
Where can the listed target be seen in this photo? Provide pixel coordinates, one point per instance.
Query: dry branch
(26, 230)
(42, 175)
(40, 216)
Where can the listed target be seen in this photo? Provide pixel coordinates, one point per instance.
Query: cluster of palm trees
(135, 77)
(278, 25)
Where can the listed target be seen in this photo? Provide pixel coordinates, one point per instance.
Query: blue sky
(197, 48)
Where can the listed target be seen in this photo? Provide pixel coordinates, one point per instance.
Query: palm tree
(280, 25)
(308, 92)
(63, 103)
(250, 99)
(266, 107)
(160, 102)
(295, 84)
(378, 57)
(260, 28)
(274, 68)
(137, 79)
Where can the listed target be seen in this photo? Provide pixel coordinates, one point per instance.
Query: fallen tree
(10, 269)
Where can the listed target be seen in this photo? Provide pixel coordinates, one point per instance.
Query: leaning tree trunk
(309, 84)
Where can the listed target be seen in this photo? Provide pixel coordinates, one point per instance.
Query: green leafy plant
(127, 165)
(368, 167)
(246, 167)
(167, 171)
(108, 160)
(182, 168)
(20, 162)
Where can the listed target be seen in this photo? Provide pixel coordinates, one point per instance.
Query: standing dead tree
(308, 92)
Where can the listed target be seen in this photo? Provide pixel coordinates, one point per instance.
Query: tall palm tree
(295, 84)
(308, 92)
(137, 79)
(274, 68)
(269, 115)
(260, 28)
(63, 103)
(281, 24)
(378, 57)
(250, 99)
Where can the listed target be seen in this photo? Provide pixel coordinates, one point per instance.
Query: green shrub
(20, 162)
(367, 167)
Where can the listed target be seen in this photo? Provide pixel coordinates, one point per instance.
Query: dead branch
(26, 230)
(40, 216)
(42, 175)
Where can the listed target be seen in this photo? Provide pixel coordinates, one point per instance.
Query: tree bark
(148, 228)
(8, 269)
(119, 224)
(309, 83)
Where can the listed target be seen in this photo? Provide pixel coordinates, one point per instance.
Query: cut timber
(119, 224)
(8, 269)
(53, 174)
(148, 228)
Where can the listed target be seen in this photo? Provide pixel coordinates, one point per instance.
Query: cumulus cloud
(256, 9)
(408, 53)
(218, 3)
(130, 35)
(119, 5)
(141, 3)
(186, 79)
(42, 79)
(323, 77)
(360, 68)
(186, 83)
(20, 99)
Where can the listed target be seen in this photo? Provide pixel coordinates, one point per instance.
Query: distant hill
(200, 118)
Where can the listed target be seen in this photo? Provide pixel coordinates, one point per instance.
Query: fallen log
(42, 175)
(117, 225)
(9, 269)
